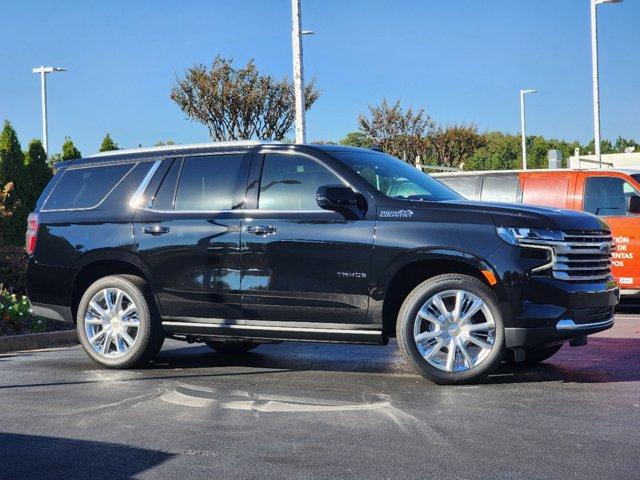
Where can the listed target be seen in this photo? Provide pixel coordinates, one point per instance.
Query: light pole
(596, 74)
(43, 87)
(524, 127)
(298, 69)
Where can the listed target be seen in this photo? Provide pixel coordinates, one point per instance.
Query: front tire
(117, 323)
(450, 328)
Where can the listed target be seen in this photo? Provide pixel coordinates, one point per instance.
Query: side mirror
(633, 204)
(341, 199)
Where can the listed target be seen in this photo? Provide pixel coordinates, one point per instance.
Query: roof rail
(183, 148)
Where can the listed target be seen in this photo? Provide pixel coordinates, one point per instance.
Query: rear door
(189, 235)
(606, 195)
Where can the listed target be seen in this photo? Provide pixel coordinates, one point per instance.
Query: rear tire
(232, 348)
(117, 322)
(461, 344)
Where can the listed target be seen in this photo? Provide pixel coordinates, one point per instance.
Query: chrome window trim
(137, 196)
(44, 209)
(570, 325)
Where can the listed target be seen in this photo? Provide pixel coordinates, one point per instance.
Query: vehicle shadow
(604, 360)
(33, 456)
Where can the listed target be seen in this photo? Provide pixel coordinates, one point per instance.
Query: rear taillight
(32, 233)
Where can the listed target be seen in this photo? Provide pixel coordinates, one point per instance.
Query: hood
(519, 215)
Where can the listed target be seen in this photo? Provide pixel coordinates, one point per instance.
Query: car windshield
(395, 178)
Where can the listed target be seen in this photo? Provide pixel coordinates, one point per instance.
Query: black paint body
(320, 272)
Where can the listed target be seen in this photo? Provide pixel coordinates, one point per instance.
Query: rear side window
(164, 197)
(290, 182)
(500, 188)
(85, 187)
(466, 186)
(208, 182)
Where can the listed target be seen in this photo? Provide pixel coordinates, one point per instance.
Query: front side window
(85, 187)
(208, 182)
(395, 178)
(607, 196)
(290, 182)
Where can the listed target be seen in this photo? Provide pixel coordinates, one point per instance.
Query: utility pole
(298, 73)
(523, 127)
(42, 70)
(596, 76)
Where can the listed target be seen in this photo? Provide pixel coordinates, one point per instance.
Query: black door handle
(156, 230)
(261, 229)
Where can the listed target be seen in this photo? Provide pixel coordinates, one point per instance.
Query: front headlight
(535, 238)
(529, 236)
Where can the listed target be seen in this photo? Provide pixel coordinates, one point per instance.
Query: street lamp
(298, 69)
(596, 74)
(524, 127)
(43, 87)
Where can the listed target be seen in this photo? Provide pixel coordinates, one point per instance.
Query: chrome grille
(584, 256)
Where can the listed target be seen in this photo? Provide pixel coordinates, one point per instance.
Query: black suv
(242, 243)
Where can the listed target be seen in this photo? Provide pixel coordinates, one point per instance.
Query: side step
(273, 332)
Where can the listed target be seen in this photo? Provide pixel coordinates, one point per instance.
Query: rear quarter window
(500, 188)
(85, 187)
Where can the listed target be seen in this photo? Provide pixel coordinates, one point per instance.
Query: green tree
(605, 147)
(396, 130)
(239, 103)
(108, 144)
(162, 143)
(500, 152)
(69, 150)
(38, 172)
(12, 169)
(626, 143)
(357, 139)
(453, 146)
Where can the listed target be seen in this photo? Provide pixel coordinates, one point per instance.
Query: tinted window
(503, 188)
(393, 177)
(290, 182)
(85, 187)
(466, 186)
(607, 195)
(163, 199)
(208, 182)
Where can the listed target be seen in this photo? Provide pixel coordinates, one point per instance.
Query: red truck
(613, 195)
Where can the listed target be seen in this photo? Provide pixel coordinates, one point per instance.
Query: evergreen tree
(108, 144)
(38, 172)
(69, 150)
(12, 169)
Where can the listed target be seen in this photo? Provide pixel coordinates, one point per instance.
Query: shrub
(13, 269)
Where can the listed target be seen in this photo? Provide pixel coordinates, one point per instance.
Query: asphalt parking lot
(309, 411)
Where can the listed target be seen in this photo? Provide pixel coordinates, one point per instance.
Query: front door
(607, 197)
(189, 236)
(301, 263)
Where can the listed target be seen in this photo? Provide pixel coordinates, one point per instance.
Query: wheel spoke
(476, 305)
(427, 335)
(457, 309)
(479, 327)
(480, 343)
(437, 300)
(127, 338)
(118, 302)
(465, 354)
(97, 308)
(451, 355)
(107, 343)
(107, 300)
(93, 321)
(128, 311)
(97, 336)
(436, 348)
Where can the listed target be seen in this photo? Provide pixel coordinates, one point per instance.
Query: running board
(267, 332)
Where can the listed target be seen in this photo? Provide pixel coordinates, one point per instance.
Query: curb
(37, 341)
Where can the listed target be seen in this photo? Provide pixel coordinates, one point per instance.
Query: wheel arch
(414, 267)
(99, 264)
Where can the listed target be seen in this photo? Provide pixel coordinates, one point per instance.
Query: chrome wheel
(454, 331)
(111, 323)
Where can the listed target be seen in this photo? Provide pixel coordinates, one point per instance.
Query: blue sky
(461, 60)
